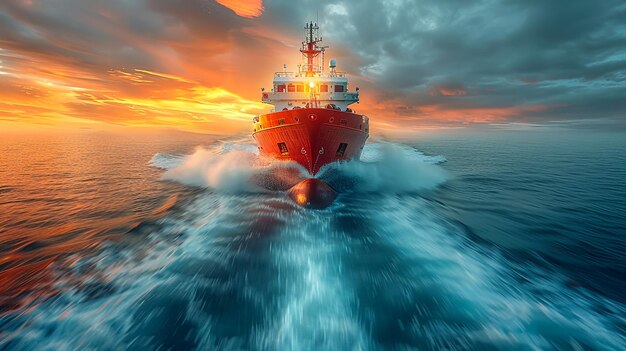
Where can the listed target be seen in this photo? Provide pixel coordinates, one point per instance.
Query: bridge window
(291, 88)
(299, 88)
(341, 150)
(280, 88)
(282, 147)
(339, 89)
(324, 88)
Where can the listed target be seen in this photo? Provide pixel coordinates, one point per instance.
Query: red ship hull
(313, 137)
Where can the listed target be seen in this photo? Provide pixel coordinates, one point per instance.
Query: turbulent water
(502, 240)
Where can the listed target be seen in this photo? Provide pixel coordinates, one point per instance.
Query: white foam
(479, 283)
(237, 167)
(375, 152)
(389, 168)
(316, 308)
(230, 168)
(165, 161)
(227, 147)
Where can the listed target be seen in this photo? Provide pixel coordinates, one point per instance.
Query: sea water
(508, 240)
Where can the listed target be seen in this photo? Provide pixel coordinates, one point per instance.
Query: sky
(199, 65)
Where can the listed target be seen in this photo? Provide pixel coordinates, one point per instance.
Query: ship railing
(283, 74)
(352, 96)
(332, 96)
(337, 74)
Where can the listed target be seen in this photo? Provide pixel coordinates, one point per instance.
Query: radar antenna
(310, 48)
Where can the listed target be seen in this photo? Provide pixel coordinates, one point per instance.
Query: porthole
(297, 119)
(341, 150)
(331, 119)
(313, 117)
(282, 147)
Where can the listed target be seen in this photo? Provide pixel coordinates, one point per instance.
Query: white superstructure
(310, 86)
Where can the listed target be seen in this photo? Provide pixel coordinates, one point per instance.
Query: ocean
(445, 239)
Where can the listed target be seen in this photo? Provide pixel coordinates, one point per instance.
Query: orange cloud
(140, 98)
(195, 66)
(192, 76)
(449, 89)
(391, 115)
(244, 8)
(452, 92)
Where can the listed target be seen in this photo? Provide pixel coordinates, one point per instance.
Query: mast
(310, 49)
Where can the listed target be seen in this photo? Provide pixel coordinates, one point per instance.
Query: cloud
(448, 89)
(429, 62)
(244, 8)
(470, 56)
(131, 63)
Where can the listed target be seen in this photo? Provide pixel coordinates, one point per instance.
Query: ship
(311, 122)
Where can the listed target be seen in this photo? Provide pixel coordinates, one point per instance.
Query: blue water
(498, 240)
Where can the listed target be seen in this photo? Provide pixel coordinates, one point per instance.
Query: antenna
(323, 48)
(310, 48)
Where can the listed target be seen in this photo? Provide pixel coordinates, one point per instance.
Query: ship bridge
(311, 85)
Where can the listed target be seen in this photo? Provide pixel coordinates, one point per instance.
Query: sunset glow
(200, 66)
(132, 98)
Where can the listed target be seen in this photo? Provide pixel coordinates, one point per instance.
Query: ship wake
(238, 168)
(230, 270)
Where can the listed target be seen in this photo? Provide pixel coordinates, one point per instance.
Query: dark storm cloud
(566, 59)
